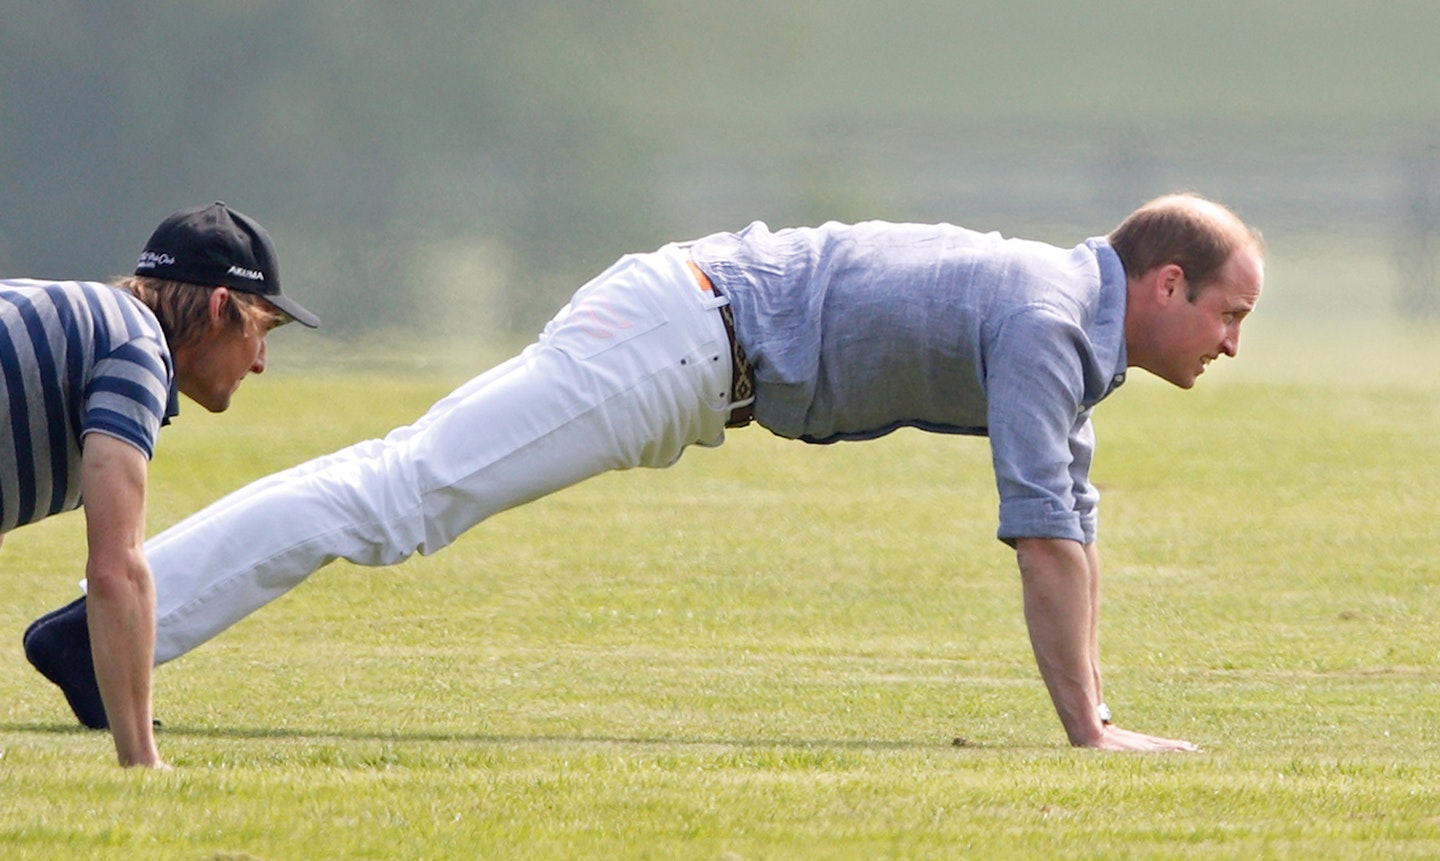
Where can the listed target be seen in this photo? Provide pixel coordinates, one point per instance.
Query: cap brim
(295, 310)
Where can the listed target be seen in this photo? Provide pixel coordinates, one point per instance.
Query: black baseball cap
(215, 246)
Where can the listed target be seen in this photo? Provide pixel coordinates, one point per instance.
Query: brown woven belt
(742, 377)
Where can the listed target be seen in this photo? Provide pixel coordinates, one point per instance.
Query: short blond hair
(184, 309)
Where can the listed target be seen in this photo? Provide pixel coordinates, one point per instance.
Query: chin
(1179, 380)
(213, 403)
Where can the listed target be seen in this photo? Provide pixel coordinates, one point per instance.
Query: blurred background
(450, 171)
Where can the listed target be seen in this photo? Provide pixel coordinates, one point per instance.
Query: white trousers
(634, 369)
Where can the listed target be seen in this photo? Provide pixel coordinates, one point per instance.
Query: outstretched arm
(121, 596)
(1061, 581)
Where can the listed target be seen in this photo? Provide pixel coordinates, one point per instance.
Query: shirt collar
(1107, 333)
(172, 405)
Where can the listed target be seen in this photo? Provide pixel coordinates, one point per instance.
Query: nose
(1231, 345)
(258, 367)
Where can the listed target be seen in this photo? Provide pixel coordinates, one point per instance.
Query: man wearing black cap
(90, 374)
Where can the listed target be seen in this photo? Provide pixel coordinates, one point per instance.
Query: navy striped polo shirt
(77, 357)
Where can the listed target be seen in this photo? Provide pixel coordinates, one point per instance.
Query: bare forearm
(1060, 591)
(122, 636)
(1062, 608)
(121, 594)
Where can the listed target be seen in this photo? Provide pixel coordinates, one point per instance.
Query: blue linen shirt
(854, 331)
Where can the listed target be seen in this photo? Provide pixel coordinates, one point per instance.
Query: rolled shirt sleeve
(1041, 437)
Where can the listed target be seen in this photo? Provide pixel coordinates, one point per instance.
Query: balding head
(1193, 274)
(1194, 233)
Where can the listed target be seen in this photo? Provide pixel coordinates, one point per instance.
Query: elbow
(1044, 548)
(117, 575)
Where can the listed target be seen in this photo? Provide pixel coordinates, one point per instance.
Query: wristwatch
(1104, 712)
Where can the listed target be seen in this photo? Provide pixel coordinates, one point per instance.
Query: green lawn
(781, 651)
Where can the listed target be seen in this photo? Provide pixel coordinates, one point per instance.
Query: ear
(1169, 282)
(219, 301)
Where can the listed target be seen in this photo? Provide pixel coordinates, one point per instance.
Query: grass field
(771, 650)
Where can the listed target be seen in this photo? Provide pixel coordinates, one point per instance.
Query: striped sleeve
(128, 386)
(127, 395)
(75, 357)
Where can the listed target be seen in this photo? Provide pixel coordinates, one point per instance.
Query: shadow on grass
(323, 735)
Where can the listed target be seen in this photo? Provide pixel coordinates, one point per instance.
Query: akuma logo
(252, 274)
(151, 259)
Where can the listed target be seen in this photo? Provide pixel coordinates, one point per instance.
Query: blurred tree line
(456, 164)
(357, 131)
